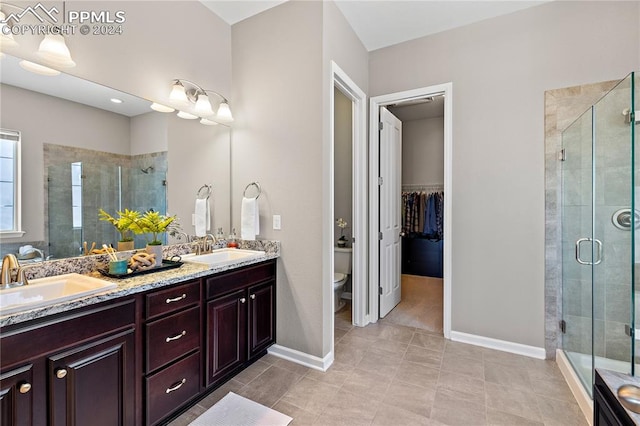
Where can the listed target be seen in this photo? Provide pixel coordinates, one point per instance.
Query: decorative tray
(166, 264)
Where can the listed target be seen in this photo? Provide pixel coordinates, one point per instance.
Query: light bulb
(224, 113)
(54, 50)
(203, 106)
(178, 93)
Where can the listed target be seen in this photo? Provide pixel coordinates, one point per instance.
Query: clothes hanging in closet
(423, 213)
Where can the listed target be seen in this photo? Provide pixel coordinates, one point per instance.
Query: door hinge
(380, 236)
(628, 330)
(380, 290)
(562, 155)
(380, 180)
(380, 125)
(563, 326)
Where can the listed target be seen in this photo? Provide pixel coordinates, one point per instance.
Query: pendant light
(178, 93)
(224, 113)
(54, 51)
(203, 106)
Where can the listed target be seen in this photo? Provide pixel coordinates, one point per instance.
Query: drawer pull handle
(176, 337)
(177, 386)
(253, 297)
(243, 300)
(177, 299)
(61, 373)
(24, 388)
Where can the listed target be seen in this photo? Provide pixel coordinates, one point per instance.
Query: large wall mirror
(82, 151)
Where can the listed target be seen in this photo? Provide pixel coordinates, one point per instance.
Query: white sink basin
(223, 256)
(51, 290)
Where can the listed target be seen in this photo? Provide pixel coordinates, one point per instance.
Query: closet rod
(423, 187)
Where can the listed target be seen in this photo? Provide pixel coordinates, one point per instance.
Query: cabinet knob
(243, 300)
(253, 297)
(61, 373)
(24, 388)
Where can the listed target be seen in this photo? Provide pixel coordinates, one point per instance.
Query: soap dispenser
(232, 239)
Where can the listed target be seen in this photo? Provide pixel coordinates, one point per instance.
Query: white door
(390, 210)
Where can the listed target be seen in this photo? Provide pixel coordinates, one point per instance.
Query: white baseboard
(500, 345)
(302, 358)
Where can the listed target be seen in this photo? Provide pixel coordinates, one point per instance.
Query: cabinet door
(226, 334)
(262, 319)
(93, 384)
(16, 396)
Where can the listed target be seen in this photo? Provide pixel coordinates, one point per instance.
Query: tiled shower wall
(562, 107)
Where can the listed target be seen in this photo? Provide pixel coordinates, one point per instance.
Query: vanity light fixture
(185, 91)
(53, 49)
(208, 122)
(38, 69)
(187, 116)
(161, 108)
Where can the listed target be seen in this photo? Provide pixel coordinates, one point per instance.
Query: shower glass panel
(577, 221)
(598, 236)
(613, 188)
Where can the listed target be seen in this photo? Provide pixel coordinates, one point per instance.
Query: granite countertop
(614, 380)
(137, 284)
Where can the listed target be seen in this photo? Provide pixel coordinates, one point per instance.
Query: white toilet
(341, 273)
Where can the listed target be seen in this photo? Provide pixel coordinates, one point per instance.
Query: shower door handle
(598, 251)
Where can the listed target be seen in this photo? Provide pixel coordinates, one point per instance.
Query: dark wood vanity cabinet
(172, 349)
(607, 410)
(75, 368)
(240, 323)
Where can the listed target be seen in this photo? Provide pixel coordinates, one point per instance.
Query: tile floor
(390, 374)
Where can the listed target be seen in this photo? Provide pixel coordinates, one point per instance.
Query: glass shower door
(577, 247)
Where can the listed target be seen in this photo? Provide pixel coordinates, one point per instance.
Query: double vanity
(140, 350)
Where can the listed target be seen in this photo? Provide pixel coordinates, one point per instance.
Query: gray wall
(500, 69)
(423, 151)
(281, 68)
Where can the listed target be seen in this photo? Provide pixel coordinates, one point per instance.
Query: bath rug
(234, 410)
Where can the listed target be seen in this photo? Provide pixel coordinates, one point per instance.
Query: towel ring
(207, 191)
(257, 185)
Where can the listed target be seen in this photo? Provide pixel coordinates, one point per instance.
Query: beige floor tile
(186, 418)
(347, 354)
(543, 369)
(552, 388)
(500, 418)
(348, 409)
(504, 358)
(369, 332)
(338, 334)
(513, 377)
(398, 333)
(560, 413)
(310, 395)
(292, 366)
(461, 386)
(353, 339)
(392, 415)
(462, 365)
(300, 417)
(270, 386)
(336, 375)
(423, 356)
(514, 401)
(457, 412)
(251, 372)
(463, 350)
(428, 341)
(367, 383)
(418, 374)
(415, 399)
(380, 364)
(388, 348)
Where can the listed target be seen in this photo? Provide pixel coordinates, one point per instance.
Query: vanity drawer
(172, 337)
(231, 281)
(172, 387)
(172, 299)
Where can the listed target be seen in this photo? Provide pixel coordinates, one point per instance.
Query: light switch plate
(276, 222)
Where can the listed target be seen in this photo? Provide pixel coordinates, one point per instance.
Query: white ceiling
(381, 23)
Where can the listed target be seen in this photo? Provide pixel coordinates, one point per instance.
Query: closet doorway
(411, 216)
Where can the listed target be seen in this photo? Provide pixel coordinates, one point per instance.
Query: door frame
(374, 220)
(343, 82)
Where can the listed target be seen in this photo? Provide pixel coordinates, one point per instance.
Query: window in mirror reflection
(76, 194)
(10, 219)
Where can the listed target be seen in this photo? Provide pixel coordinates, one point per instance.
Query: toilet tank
(342, 260)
